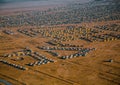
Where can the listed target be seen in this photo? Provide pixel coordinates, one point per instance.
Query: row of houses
(27, 32)
(69, 45)
(54, 42)
(53, 53)
(37, 56)
(23, 52)
(14, 65)
(41, 62)
(100, 38)
(116, 35)
(110, 27)
(78, 54)
(81, 51)
(40, 59)
(60, 48)
(9, 32)
(69, 34)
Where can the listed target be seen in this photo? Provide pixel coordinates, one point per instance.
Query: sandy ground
(89, 70)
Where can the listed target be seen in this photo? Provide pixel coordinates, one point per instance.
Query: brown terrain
(22, 50)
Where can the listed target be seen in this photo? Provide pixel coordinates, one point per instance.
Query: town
(63, 45)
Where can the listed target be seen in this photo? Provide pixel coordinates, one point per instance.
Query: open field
(70, 45)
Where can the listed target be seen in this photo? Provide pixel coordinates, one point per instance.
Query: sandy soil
(89, 70)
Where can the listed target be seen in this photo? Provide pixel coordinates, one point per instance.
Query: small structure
(109, 60)
(14, 65)
(9, 32)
